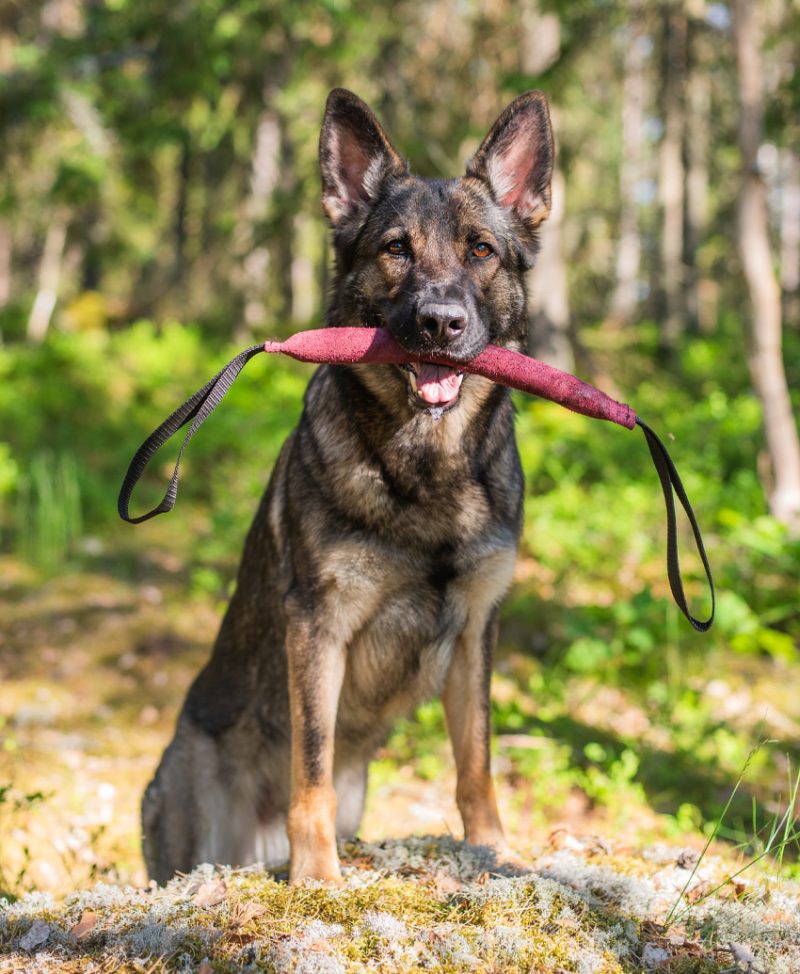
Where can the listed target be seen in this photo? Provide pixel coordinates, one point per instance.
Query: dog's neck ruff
(364, 346)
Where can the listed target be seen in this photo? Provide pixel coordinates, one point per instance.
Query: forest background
(159, 209)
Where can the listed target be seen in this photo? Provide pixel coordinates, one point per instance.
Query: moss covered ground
(423, 904)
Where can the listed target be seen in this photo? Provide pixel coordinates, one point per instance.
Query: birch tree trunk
(549, 333)
(698, 109)
(253, 253)
(6, 261)
(49, 278)
(671, 170)
(284, 242)
(765, 357)
(6, 240)
(790, 230)
(625, 298)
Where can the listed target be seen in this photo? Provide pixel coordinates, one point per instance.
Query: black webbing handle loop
(670, 481)
(198, 408)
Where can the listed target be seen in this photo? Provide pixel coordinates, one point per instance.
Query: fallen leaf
(245, 912)
(361, 862)
(205, 967)
(687, 858)
(562, 838)
(84, 926)
(737, 887)
(699, 891)
(211, 894)
(445, 885)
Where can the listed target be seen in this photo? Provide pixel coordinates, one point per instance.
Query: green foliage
(96, 396)
(49, 510)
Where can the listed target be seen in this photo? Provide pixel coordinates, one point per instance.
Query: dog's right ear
(355, 156)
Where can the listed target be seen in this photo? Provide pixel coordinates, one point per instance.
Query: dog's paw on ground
(423, 904)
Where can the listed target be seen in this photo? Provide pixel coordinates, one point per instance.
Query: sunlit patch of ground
(94, 668)
(92, 671)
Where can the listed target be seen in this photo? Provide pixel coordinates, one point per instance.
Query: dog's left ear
(516, 158)
(356, 157)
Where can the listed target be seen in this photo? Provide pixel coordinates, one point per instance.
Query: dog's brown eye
(396, 248)
(482, 250)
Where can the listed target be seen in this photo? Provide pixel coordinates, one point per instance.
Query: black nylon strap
(198, 408)
(670, 480)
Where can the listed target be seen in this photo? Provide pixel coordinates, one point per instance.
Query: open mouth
(434, 386)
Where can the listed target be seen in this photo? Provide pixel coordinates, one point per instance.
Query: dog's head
(439, 263)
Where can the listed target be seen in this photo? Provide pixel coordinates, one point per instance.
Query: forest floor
(608, 805)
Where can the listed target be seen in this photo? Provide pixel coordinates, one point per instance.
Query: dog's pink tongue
(437, 383)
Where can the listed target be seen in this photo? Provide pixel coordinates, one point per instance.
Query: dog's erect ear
(516, 158)
(355, 156)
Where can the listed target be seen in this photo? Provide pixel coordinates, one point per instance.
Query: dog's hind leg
(202, 807)
(350, 783)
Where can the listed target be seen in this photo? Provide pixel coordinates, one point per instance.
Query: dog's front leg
(316, 669)
(468, 712)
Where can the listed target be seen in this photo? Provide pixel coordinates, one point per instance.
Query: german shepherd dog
(386, 539)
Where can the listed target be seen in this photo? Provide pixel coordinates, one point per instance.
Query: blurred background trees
(160, 161)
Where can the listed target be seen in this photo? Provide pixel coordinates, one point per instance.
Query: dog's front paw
(315, 867)
(509, 864)
(505, 862)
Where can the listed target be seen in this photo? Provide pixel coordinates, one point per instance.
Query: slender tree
(671, 169)
(49, 277)
(790, 224)
(765, 338)
(550, 318)
(625, 298)
(698, 111)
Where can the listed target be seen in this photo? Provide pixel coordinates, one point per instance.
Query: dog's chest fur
(405, 527)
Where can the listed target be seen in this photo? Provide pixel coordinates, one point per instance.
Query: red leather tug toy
(353, 346)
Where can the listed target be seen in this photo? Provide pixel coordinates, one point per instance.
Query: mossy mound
(423, 904)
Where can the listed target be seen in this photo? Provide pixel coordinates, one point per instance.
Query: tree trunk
(304, 293)
(549, 333)
(181, 210)
(625, 299)
(698, 109)
(283, 236)
(765, 356)
(252, 252)
(49, 277)
(790, 231)
(671, 171)
(6, 257)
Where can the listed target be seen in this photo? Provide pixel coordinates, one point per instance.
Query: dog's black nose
(441, 321)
